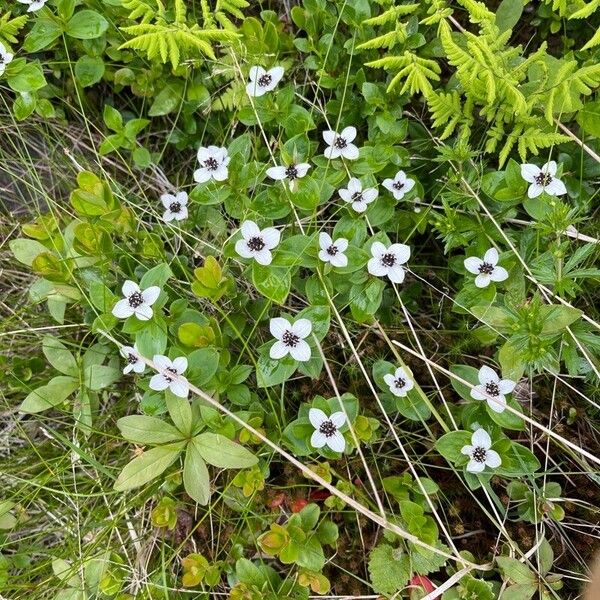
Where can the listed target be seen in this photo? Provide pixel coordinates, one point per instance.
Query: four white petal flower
(262, 81)
(486, 268)
(292, 173)
(213, 162)
(134, 360)
(170, 375)
(33, 4)
(5, 58)
(388, 261)
(492, 389)
(542, 180)
(340, 144)
(480, 454)
(400, 383)
(400, 185)
(290, 339)
(333, 252)
(327, 429)
(175, 206)
(359, 198)
(257, 243)
(136, 301)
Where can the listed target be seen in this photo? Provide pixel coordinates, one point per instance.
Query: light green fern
(9, 28)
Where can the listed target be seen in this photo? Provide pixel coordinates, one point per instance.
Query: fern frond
(445, 110)
(9, 28)
(438, 12)
(140, 8)
(586, 11)
(478, 12)
(533, 139)
(391, 14)
(416, 72)
(571, 83)
(594, 41)
(387, 40)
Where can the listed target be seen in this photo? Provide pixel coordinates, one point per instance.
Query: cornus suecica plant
(339, 145)
(542, 179)
(358, 198)
(135, 362)
(262, 81)
(213, 162)
(33, 5)
(136, 302)
(486, 268)
(175, 206)
(331, 251)
(5, 58)
(387, 262)
(492, 389)
(327, 429)
(480, 453)
(257, 243)
(290, 173)
(290, 338)
(170, 375)
(400, 382)
(400, 185)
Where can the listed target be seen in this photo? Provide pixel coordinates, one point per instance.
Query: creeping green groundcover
(299, 299)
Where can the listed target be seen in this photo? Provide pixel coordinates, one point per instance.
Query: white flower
(359, 198)
(388, 261)
(339, 144)
(480, 454)
(399, 383)
(257, 244)
(327, 429)
(176, 206)
(291, 173)
(486, 268)
(542, 180)
(134, 360)
(33, 4)
(213, 164)
(400, 185)
(5, 58)
(492, 389)
(136, 301)
(333, 252)
(170, 375)
(290, 339)
(262, 81)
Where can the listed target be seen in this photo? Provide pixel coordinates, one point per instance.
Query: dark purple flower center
(357, 196)
(492, 388)
(132, 358)
(290, 339)
(340, 142)
(332, 250)
(291, 172)
(135, 300)
(211, 164)
(486, 268)
(264, 80)
(543, 179)
(327, 428)
(397, 185)
(399, 383)
(256, 243)
(170, 370)
(175, 207)
(388, 259)
(479, 454)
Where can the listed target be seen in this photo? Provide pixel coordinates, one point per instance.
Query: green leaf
(272, 282)
(180, 411)
(59, 357)
(86, 25)
(148, 466)
(26, 250)
(389, 569)
(142, 429)
(514, 570)
(89, 70)
(158, 275)
(221, 452)
(196, 480)
(508, 14)
(557, 317)
(469, 374)
(97, 377)
(589, 118)
(450, 444)
(24, 105)
(49, 395)
(167, 100)
(42, 34)
(520, 591)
